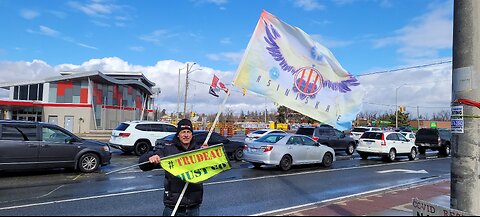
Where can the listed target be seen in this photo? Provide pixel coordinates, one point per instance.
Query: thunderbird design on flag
(285, 64)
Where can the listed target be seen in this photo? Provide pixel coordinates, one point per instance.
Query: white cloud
(226, 41)
(29, 14)
(308, 5)
(87, 46)
(425, 37)
(158, 36)
(428, 87)
(58, 14)
(231, 57)
(104, 13)
(49, 31)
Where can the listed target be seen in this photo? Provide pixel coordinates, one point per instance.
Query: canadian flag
(217, 84)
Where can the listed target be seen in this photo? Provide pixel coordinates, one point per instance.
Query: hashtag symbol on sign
(170, 164)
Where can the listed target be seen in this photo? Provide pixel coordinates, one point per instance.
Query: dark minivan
(434, 139)
(329, 136)
(35, 145)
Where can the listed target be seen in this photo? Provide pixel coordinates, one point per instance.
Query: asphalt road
(240, 191)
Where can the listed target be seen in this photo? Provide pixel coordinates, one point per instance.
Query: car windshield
(372, 135)
(361, 130)
(259, 132)
(271, 138)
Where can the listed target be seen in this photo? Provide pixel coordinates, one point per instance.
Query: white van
(139, 136)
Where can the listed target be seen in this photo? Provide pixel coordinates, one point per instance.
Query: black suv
(329, 136)
(434, 139)
(33, 145)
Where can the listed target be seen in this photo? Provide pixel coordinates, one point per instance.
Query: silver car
(285, 150)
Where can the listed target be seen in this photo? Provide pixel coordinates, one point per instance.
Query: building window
(40, 92)
(33, 92)
(15, 92)
(23, 92)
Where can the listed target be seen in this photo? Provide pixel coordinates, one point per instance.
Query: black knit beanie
(184, 124)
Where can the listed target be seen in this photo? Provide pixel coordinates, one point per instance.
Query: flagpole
(180, 199)
(206, 142)
(217, 117)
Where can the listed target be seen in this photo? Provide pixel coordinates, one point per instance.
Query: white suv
(386, 144)
(139, 136)
(358, 131)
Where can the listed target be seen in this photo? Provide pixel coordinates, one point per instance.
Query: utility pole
(186, 91)
(418, 117)
(465, 181)
(178, 96)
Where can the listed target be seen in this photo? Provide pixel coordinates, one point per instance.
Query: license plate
(253, 150)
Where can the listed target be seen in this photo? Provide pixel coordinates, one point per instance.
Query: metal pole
(396, 107)
(185, 99)
(178, 96)
(465, 180)
(418, 117)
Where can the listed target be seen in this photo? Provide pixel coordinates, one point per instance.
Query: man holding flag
(191, 201)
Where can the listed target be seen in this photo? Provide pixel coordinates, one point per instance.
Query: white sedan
(285, 150)
(386, 144)
(260, 133)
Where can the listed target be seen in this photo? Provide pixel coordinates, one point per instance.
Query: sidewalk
(390, 203)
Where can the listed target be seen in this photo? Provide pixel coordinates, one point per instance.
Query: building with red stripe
(80, 101)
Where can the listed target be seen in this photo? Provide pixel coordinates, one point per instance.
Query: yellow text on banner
(198, 165)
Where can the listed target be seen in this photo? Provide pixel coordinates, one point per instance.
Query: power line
(408, 106)
(406, 68)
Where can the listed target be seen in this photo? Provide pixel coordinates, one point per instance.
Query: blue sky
(44, 37)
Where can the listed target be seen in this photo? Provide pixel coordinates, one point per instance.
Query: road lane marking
(82, 198)
(403, 171)
(211, 183)
(51, 191)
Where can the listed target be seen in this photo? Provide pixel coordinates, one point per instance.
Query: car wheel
(256, 165)
(88, 163)
(422, 150)
(238, 154)
(327, 159)
(445, 151)
(364, 156)
(413, 154)
(141, 148)
(286, 163)
(392, 155)
(350, 149)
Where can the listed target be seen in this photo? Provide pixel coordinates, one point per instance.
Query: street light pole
(186, 90)
(178, 95)
(396, 105)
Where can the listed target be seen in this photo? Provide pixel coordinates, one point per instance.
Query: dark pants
(182, 211)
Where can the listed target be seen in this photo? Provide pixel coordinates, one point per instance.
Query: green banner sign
(433, 124)
(198, 165)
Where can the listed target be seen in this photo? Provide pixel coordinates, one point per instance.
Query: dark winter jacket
(173, 185)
